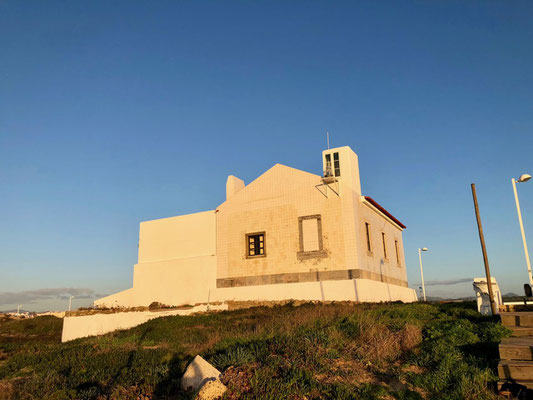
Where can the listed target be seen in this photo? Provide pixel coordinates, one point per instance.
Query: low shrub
(312, 351)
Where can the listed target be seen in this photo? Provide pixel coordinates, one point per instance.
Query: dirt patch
(237, 380)
(158, 346)
(347, 371)
(132, 392)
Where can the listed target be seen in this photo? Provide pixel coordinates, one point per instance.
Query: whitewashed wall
(360, 290)
(98, 324)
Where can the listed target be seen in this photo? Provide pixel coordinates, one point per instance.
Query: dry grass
(346, 370)
(6, 390)
(375, 343)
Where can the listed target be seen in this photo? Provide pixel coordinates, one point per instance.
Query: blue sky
(112, 113)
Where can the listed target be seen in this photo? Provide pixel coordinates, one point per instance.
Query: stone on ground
(211, 390)
(198, 372)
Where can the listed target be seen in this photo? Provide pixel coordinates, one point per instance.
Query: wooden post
(484, 249)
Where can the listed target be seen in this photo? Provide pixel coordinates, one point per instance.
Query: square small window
(256, 244)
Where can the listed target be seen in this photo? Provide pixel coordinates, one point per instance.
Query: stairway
(516, 352)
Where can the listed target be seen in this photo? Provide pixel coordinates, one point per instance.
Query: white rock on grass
(198, 373)
(211, 390)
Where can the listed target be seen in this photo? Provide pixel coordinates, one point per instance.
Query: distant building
(288, 234)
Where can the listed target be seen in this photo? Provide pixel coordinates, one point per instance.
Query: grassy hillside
(313, 351)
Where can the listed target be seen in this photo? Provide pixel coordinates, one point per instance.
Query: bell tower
(342, 164)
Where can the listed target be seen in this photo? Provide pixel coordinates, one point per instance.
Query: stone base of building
(359, 290)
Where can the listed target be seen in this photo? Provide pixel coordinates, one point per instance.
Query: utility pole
(484, 250)
(523, 178)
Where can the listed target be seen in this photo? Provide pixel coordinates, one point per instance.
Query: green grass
(41, 327)
(314, 351)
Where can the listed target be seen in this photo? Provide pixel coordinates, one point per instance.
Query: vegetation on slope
(313, 351)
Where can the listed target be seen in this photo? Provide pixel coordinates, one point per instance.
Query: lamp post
(522, 178)
(422, 270)
(70, 302)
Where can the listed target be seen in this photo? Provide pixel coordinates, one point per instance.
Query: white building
(289, 234)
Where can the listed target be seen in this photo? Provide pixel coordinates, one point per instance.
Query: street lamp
(70, 302)
(522, 178)
(422, 270)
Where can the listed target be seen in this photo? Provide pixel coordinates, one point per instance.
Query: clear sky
(116, 112)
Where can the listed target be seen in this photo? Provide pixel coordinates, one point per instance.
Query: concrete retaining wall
(98, 324)
(360, 290)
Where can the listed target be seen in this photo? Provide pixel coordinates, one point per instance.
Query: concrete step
(508, 384)
(521, 331)
(515, 307)
(517, 348)
(517, 370)
(517, 318)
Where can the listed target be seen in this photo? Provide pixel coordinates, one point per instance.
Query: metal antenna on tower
(327, 135)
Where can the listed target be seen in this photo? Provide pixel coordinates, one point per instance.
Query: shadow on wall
(381, 267)
(321, 286)
(355, 290)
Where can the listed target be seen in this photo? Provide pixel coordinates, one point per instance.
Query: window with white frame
(333, 169)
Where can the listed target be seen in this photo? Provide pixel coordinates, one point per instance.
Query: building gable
(275, 183)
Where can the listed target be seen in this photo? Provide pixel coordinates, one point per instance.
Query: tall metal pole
(484, 249)
(70, 303)
(422, 273)
(522, 230)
